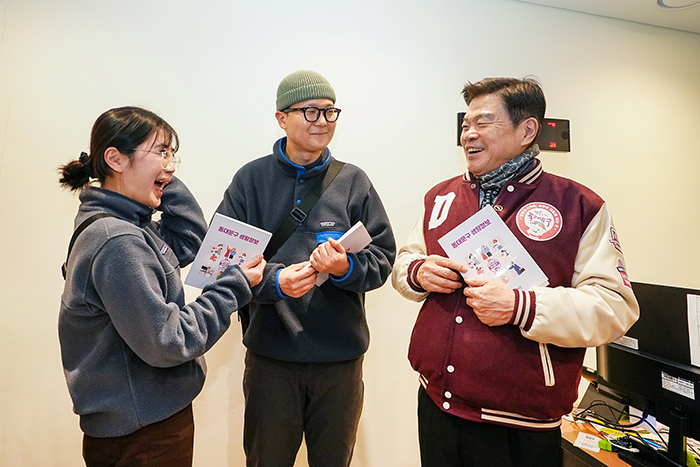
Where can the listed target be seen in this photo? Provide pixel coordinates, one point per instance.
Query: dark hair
(523, 98)
(123, 128)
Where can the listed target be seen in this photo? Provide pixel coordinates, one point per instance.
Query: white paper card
(353, 241)
(587, 441)
(228, 242)
(490, 250)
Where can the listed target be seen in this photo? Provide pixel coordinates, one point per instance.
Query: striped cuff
(524, 312)
(412, 277)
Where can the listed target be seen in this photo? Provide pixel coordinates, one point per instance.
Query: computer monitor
(650, 368)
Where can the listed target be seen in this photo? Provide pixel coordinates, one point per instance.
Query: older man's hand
(492, 302)
(440, 274)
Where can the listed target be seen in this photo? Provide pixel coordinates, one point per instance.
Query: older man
(499, 367)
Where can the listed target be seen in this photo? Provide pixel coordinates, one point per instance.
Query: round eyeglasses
(168, 158)
(312, 114)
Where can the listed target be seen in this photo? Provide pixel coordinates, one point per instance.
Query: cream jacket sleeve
(600, 306)
(413, 250)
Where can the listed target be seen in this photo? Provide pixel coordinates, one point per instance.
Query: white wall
(211, 68)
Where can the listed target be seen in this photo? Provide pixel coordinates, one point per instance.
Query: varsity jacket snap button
(448, 394)
(473, 185)
(450, 369)
(497, 207)
(459, 319)
(446, 405)
(510, 188)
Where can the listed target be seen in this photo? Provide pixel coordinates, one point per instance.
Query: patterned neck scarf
(492, 182)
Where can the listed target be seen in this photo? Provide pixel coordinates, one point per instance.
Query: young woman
(131, 348)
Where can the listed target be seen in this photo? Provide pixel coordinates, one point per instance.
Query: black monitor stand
(676, 455)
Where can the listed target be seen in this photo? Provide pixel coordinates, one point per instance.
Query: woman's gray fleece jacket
(131, 348)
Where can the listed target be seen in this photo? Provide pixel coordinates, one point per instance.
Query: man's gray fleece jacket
(328, 323)
(131, 348)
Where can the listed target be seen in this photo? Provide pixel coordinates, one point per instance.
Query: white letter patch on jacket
(440, 210)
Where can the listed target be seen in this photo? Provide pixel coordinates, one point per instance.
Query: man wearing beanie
(305, 342)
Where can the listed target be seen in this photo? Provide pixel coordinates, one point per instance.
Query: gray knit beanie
(301, 86)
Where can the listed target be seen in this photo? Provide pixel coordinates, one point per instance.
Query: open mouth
(474, 150)
(161, 183)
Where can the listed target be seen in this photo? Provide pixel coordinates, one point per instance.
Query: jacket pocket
(547, 366)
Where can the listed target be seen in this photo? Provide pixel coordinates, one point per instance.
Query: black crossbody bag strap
(295, 218)
(83, 225)
(300, 212)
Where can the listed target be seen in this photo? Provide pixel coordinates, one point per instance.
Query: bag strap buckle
(298, 215)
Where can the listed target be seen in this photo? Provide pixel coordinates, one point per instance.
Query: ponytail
(76, 174)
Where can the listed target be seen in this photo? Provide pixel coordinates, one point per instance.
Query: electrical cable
(587, 414)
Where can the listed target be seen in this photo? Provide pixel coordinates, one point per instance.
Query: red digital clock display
(554, 135)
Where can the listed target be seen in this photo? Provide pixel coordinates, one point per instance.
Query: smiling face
(306, 140)
(488, 136)
(141, 177)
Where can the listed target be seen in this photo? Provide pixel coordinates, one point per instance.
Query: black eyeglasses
(312, 114)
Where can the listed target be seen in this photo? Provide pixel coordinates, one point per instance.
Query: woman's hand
(253, 269)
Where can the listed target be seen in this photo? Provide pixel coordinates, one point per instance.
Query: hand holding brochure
(490, 250)
(353, 241)
(228, 242)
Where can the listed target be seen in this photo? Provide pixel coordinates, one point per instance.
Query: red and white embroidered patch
(539, 221)
(614, 241)
(623, 273)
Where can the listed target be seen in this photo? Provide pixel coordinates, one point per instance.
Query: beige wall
(211, 68)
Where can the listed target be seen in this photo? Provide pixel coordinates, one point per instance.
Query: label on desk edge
(587, 441)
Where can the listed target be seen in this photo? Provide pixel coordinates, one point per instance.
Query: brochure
(353, 241)
(490, 250)
(228, 242)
